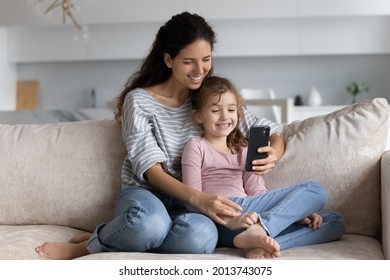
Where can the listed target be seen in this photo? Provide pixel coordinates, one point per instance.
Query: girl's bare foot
(81, 237)
(255, 237)
(62, 251)
(242, 221)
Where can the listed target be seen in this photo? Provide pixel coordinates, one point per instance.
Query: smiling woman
(155, 114)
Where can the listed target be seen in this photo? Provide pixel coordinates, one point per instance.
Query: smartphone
(258, 137)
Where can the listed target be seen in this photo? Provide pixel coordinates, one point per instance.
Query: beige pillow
(61, 174)
(341, 150)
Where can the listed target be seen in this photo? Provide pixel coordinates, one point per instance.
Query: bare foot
(242, 221)
(257, 253)
(62, 251)
(81, 237)
(255, 237)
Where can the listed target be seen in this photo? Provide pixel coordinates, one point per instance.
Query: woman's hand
(214, 206)
(265, 165)
(208, 204)
(275, 151)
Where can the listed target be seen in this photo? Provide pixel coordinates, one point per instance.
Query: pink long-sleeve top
(208, 170)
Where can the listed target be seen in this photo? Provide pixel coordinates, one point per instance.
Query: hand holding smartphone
(258, 137)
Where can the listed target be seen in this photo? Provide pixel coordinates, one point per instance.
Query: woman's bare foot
(257, 253)
(80, 237)
(255, 237)
(62, 251)
(242, 221)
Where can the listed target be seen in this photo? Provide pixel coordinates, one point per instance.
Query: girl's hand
(242, 221)
(215, 205)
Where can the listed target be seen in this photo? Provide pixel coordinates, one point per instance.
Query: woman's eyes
(206, 60)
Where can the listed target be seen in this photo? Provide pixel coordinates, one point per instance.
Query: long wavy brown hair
(177, 33)
(216, 86)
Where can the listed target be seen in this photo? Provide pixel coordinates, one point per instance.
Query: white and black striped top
(154, 133)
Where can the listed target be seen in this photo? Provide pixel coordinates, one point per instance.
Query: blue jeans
(154, 222)
(281, 208)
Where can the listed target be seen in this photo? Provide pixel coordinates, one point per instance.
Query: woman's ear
(197, 117)
(168, 60)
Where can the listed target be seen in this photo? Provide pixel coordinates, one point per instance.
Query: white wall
(286, 45)
(68, 84)
(8, 75)
(16, 12)
(290, 76)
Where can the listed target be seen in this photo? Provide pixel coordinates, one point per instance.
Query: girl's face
(191, 64)
(219, 115)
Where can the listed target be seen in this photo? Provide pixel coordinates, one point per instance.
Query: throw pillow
(341, 150)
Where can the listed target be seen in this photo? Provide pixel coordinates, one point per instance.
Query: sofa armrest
(385, 203)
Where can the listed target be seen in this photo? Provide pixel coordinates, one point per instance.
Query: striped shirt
(155, 133)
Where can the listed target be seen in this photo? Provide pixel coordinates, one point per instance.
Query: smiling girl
(214, 163)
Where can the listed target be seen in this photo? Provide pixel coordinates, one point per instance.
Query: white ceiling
(18, 12)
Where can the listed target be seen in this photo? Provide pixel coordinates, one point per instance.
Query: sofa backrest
(341, 150)
(69, 173)
(61, 174)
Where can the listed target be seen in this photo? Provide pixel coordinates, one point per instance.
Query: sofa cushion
(60, 174)
(342, 150)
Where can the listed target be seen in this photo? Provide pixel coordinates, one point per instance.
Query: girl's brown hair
(216, 86)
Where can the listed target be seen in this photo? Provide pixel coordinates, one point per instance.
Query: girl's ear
(197, 116)
(168, 60)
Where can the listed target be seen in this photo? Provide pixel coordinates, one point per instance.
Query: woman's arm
(208, 204)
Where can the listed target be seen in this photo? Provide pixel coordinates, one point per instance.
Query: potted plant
(354, 89)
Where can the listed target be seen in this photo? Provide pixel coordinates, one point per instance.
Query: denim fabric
(281, 208)
(151, 221)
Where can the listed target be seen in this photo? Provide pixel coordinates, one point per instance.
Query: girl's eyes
(229, 110)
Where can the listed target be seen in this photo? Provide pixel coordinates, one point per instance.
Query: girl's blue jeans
(281, 208)
(151, 221)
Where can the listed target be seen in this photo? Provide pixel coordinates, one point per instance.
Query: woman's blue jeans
(281, 208)
(151, 221)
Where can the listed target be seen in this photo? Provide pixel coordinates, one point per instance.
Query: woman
(154, 109)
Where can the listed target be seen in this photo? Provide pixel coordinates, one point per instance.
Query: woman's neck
(169, 93)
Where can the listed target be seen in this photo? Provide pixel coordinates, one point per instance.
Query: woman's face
(191, 65)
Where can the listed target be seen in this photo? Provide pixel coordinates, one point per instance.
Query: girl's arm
(253, 184)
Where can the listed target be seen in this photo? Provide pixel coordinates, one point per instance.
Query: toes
(40, 251)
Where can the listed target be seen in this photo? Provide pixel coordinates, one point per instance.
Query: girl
(215, 164)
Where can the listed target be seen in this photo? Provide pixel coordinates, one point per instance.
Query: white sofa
(61, 179)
